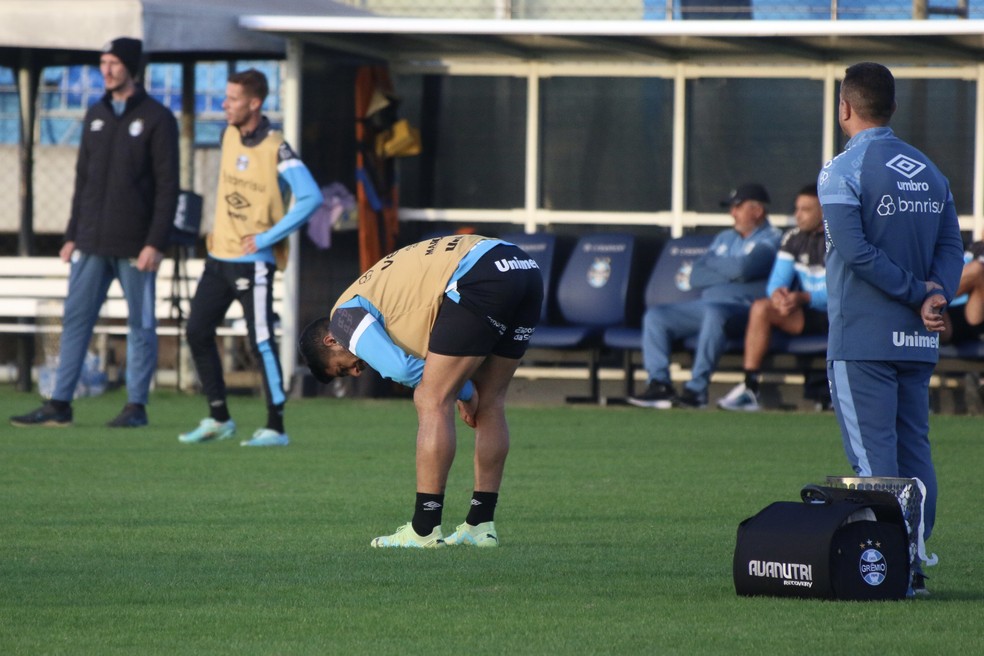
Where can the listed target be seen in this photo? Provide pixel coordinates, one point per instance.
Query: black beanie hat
(128, 51)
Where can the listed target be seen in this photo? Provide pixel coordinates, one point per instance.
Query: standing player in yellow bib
(252, 222)
(451, 318)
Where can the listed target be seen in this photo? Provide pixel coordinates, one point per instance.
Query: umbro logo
(432, 505)
(237, 201)
(906, 166)
(242, 284)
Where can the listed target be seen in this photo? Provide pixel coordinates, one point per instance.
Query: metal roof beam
(638, 47)
(352, 45)
(785, 46)
(934, 46)
(477, 45)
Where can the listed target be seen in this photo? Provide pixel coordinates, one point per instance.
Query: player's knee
(760, 313)
(427, 398)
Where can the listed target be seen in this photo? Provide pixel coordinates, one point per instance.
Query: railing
(673, 9)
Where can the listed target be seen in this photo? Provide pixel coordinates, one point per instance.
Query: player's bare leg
(972, 282)
(762, 318)
(434, 399)
(758, 333)
(488, 418)
(491, 429)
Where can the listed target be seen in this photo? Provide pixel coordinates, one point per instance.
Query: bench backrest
(594, 287)
(670, 279)
(36, 287)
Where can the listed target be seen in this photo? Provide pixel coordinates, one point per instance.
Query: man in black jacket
(126, 190)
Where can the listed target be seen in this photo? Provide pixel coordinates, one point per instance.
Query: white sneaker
(740, 398)
(209, 430)
(266, 437)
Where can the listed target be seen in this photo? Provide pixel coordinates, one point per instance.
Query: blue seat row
(597, 296)
(592, 292)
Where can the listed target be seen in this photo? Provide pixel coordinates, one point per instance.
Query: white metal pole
(829, 113)
(532, 195)
(677, 193)
(978, 200)
(292, 133)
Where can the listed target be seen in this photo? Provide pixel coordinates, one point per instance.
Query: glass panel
(9, 108)
(66, 93)
(752, 130)
(474, 133)
(606, 143)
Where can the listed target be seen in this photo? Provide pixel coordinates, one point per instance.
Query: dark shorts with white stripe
(501, 299)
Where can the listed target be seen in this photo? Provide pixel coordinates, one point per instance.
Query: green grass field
(617, 528)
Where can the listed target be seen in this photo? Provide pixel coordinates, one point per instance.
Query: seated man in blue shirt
(732, 274)
(797, 297)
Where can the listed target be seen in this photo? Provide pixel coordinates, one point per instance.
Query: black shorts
(815, 322)
(962, 331)
(501, 298)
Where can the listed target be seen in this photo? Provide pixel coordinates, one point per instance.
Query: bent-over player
(451, 318)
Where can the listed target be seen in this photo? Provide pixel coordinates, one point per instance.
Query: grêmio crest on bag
(835, 544)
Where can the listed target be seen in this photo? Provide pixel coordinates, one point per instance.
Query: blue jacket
(890, 225)
(734, 269)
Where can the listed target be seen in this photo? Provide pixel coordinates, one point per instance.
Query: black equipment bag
(837, 544)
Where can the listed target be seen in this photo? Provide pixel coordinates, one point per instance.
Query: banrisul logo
(873, 567)
(906, 166)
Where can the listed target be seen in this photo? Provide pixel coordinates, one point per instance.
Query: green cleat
(209, 430)
(405, 536)
(483, 535)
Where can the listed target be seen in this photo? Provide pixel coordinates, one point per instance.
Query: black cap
(128, 51)
(750, 191)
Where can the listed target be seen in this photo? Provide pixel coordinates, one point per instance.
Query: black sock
(482, 508)
(275, 417)
(60, 406)
(219, 411)
(752, 381)
(427, 512)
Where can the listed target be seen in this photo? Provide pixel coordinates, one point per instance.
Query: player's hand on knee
(467, 410)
